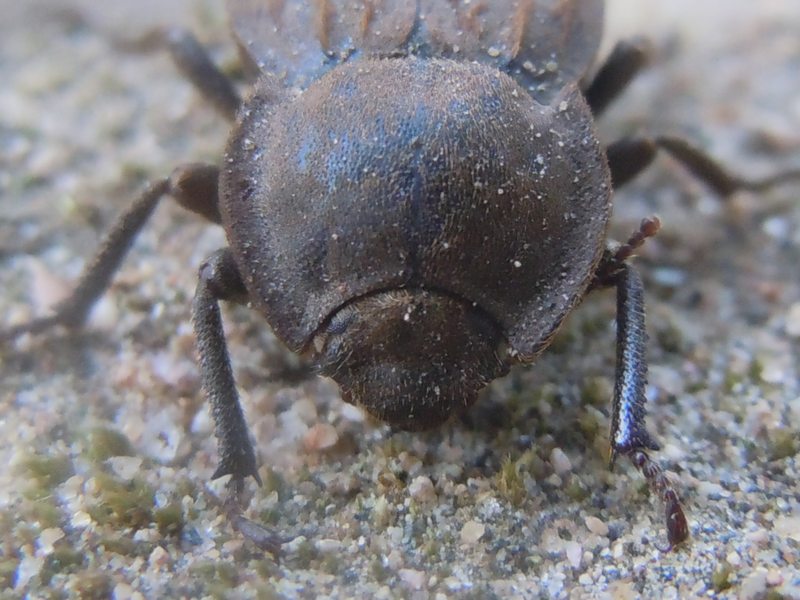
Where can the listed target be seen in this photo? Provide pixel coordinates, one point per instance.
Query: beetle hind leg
(626, 59)
(194, 63)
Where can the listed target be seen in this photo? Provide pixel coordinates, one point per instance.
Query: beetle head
(410, 358)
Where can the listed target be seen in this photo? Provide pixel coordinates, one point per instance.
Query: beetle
(414, 196)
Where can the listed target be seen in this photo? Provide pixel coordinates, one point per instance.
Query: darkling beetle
(414, 195)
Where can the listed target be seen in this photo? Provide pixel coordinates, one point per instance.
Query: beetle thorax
(410, 357)
(412, 174)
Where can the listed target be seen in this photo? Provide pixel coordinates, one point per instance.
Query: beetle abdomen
(543, 43)
(416, 173)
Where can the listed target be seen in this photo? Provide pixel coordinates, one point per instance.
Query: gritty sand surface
(109, 448)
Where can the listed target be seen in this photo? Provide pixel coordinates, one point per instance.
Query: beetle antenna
(649, 227)
(613, 260)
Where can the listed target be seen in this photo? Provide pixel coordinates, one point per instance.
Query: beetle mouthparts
(411, 358)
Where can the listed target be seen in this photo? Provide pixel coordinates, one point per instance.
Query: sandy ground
(109, 446)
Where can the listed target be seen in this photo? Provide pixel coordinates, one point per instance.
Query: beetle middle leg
(193, 186)
(629, 156)
(629, 435)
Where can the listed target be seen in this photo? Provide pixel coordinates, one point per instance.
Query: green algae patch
(169, 519)
(783, 444)
(8, 569)
(93, 585)
(63, 559)
(216, 571)
(509, 481)
(721, 579)
(46, 471)
(43, 511)
(123, 504)
(105, 443)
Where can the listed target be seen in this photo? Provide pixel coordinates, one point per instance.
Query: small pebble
(123, 591)
(472, 532)
(453, 584)
(560, 461)
(793, 320)
(596, 526)
(352, 413)
(125, 467)
(321, 436)
(754, 586)
(293, 546)
(48, 288)
(788, 527)
(412, 578)
(422, 490)
(574, 553)
(158, 557)
(328, 546)
(28, 568)
(48, 538)
(81, 519)
(305, 410)
(618, 551)
(394, 560)
(774, 578)
(669, 276)
(759, 537)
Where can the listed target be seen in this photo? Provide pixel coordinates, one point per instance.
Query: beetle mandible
(414, 196)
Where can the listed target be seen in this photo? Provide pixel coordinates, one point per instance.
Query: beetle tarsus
(263, 537)
(657, 480)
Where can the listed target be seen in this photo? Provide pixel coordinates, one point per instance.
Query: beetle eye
(329, 339)
(340, 322)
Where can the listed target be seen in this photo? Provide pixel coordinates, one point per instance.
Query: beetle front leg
(629, 435)
(220, 280)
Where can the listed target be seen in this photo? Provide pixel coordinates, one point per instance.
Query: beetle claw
(238, 476)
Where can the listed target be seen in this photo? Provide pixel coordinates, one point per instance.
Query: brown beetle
(415, 196)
